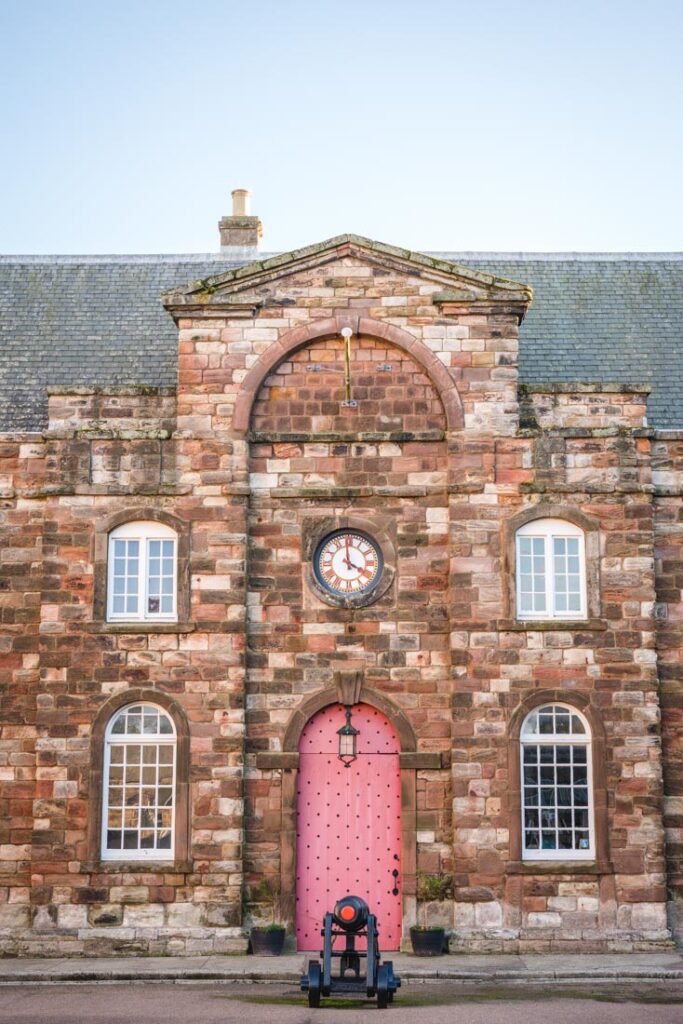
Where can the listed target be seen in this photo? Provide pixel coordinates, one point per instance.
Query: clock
(348, 563)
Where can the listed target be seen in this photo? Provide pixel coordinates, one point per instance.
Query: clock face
(348, 562)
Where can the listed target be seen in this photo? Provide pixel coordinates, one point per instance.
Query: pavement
(533, 969)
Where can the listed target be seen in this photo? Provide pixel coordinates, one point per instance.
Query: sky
(490, 125)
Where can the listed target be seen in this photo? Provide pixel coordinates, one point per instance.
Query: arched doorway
(348, 837)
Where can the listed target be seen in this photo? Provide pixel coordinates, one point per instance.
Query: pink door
(348, 824)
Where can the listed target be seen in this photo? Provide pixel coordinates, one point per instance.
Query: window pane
(134, 725)
(140, 811)
(555, 785)
(567, 578)
(161, 577)
(124, 579)
(151, 724)
(531, 574)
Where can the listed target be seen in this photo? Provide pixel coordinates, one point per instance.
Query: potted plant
(266, 939)
(430, 940)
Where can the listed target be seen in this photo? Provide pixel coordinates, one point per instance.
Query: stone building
(348, 567)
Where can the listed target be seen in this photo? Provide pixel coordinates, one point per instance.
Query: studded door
(348, 823)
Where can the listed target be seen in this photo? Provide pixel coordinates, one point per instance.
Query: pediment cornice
(249, 287)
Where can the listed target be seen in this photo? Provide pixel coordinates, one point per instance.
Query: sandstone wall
(259, 454)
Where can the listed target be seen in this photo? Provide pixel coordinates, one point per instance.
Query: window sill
(132, 867)
(559, 867)
(549, 625)
(141, 627)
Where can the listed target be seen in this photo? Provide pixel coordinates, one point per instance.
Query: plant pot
(428, 941)
(267, 941)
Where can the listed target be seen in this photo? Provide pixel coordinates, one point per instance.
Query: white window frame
(549, 530)
(558, 740)
(143, 531)
(129, 739)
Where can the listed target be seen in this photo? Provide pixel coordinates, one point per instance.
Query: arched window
(142, 573)
(139, 782)
(551, 570)
(557, 798)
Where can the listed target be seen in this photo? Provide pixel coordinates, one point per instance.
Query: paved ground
(438, 1003)
(565, 967)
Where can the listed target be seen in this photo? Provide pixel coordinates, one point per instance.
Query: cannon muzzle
(351, 913)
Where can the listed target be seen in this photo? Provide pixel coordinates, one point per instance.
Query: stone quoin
(347, 498)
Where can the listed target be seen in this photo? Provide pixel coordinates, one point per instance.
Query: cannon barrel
(351, 913)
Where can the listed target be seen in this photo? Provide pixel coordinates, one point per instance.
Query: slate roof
(99, 320)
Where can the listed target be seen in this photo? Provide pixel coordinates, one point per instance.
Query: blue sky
(435, 124)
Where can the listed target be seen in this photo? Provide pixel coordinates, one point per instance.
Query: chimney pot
(241, 200)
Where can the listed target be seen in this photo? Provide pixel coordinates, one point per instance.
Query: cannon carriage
(351, 920)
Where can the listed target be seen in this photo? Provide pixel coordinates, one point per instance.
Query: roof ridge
(453, 256)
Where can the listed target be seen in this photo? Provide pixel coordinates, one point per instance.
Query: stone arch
(301, 336)
(330, 695)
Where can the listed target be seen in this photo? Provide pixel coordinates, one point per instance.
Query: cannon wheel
(313, 983)
(392, 981)
(383, 987)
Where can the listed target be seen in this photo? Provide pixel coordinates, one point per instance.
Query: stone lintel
(277, 760)
(585, 388)
(420, 760)
(359, 437)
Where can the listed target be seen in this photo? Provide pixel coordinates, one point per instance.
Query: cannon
(350, 920)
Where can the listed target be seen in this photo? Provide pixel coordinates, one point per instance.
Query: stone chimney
(240, 233)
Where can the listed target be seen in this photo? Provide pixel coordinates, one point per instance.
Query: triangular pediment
(258, 282)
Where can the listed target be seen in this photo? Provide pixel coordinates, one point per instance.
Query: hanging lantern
(347, 741)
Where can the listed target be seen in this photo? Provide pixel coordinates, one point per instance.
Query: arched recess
(316, 702)
(514, 796)
(139, 695)
(330, 695)
(301, 336)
